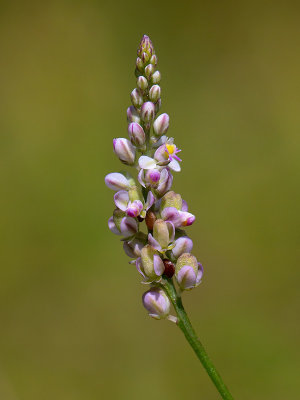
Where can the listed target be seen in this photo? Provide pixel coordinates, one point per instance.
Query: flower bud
(152, 177)
(133, 115)
(147, 111)
(145, 46)
(182, 245)
(127, 226)
(134, 209)
(142, 82)
(153, 60)
(161, 124)
(116, 181)
(157, 303)
(152, 264)
(136, 98)
(154, 93)
(186, 271)
(124, 150)
(171, 199)
(149, 70)
(155, 78)
(136, 134)
(139, 64)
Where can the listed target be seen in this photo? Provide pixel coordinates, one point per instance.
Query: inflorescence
(166, 249)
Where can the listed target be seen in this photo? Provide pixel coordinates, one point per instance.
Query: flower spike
(162, 256)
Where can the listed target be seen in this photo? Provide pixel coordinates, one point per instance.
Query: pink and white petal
(163, 175)
(150, 200)
(187, 218)
(121, 199)
(174, 165)
(160, 154)
(116, 181)
(112, 226)
(171, 214)
(128, 226)
(139, 267)
(182, 245)
(186, 277)
(162, 140)
(158, 265)
(153, 242)
(140, 178)
(171, 229)
(146, 162)
(139, 205)
(185, 206)
(165, 182)
(134, 209)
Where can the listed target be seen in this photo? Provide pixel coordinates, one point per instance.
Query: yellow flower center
(171, 148)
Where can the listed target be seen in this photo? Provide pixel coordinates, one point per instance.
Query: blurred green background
(72, 323)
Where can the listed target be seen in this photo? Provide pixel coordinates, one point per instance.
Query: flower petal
(146, 162)
(171, 214)
(121, 199)
(128, 226)
(182, 245)
(112, 226)
(158, 265)
(116, 181)
(160, 154)
(153, 242)
(186, 277)
(162, 140)
(174, 165)
(171, 229)
(187, 218)
(140, 178)
(139, 267)
(150, 200)
(184, 206)
(134, 209)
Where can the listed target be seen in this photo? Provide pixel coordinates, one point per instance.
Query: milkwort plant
(164, 254)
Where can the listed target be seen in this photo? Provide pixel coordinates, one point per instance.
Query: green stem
(186, 327)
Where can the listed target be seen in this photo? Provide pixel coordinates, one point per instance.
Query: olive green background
(72, 323)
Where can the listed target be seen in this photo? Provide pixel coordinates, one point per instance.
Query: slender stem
(186, 327)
